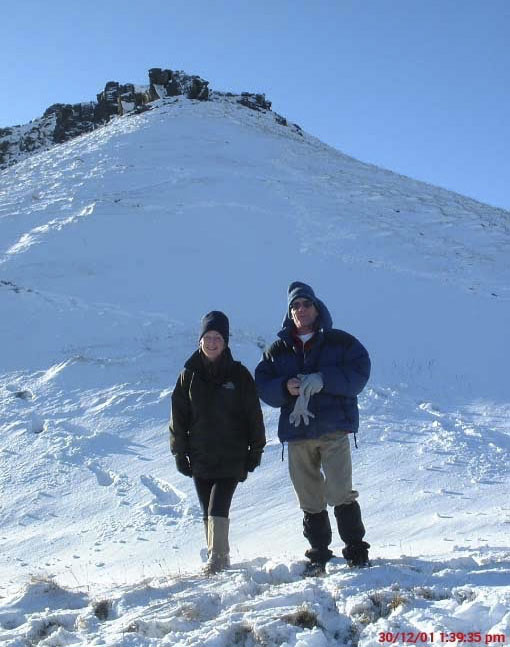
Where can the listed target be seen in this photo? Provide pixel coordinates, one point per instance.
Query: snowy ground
(265, 602)
(111, 248)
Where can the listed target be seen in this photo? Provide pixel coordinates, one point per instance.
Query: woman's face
(212, 345)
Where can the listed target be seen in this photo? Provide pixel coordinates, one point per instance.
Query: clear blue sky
(421, 87)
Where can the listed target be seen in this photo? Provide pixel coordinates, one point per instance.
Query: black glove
(253, 460)
(183, 464)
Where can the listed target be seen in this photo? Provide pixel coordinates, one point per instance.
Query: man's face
(212, 345)
(304, 313)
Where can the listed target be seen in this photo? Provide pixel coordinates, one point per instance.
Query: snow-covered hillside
(112, 246)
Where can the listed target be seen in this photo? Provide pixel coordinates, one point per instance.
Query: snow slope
(111, 248)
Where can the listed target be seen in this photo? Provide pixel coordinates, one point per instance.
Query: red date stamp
(422, 637)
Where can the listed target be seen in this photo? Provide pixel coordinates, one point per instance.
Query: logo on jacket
(228, 385)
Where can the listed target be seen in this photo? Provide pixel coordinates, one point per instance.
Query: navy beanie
(215, 320)
(298, 289)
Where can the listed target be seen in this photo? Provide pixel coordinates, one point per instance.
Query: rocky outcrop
(167, 83)
(71, 120)
(255, 101)
(117, 99)
(62, 122)
(19, 142)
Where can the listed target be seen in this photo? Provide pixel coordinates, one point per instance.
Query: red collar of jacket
(298, 342)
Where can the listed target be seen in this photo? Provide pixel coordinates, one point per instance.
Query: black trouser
(215, 495)
(317, 529)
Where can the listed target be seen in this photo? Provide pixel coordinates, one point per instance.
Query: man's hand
(293, 385)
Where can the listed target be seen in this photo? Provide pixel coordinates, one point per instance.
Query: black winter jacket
(216, 417)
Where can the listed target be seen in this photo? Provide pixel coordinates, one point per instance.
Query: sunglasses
(295, 305)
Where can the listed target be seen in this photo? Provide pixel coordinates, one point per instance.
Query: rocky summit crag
(61, 122)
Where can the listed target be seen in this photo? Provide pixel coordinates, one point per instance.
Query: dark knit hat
(298, 289)
(215, 320)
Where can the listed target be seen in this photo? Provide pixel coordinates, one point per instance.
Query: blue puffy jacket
(345, 367)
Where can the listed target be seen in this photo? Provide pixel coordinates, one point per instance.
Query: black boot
(356, 555)
(352, 531)
(317, 529)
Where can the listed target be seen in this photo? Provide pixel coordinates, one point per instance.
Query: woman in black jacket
(217, 431)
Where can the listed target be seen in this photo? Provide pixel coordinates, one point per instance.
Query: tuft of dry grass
(102, 609)
(397, 601)
(303, 617)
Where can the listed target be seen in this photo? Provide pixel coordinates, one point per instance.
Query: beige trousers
(333, 485)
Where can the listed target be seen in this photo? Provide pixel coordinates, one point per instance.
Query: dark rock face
(171, 84)
(158, 76)
(198, 89)
(4, 149)
(117, 99)
(62, 122)
(71, 120)
(108, 102)
(255, 101)
(21, 141)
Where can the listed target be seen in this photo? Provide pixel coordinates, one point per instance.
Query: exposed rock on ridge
(61, 122)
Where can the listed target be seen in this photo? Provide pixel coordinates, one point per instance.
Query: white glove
(310, 384)
(301, 411)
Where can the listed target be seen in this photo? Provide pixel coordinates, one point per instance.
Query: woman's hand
(252, 460)
(183, 464)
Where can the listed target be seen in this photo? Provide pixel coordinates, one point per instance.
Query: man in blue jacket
(314, 374)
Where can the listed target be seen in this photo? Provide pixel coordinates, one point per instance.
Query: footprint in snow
(430, 408)
(167, 499)
(103, 478)
(21, 394)
(37, 424)
(164, 492)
